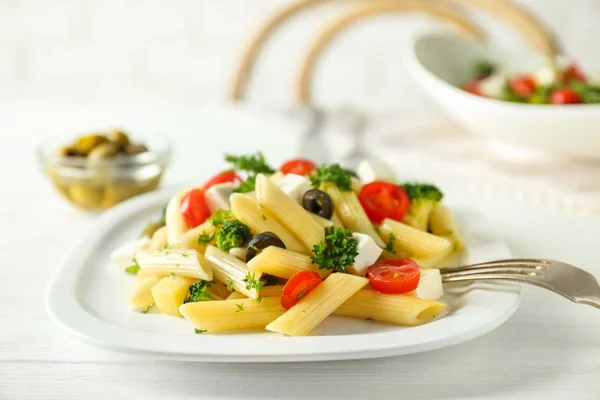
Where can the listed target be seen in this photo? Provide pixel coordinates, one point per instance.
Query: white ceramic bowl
(441, 64)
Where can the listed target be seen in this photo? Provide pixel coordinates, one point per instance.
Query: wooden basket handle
(325, 37)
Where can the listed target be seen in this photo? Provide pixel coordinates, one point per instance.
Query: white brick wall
(184, 51)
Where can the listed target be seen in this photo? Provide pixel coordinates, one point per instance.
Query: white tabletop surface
(550, 349)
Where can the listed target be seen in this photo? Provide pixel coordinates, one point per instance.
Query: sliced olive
(262, 241)
(85, 144)
(136, 148)
(318, 202)
(119, 137)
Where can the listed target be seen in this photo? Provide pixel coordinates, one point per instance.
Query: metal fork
(564, 279)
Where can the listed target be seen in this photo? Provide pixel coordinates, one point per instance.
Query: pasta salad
(281, 250)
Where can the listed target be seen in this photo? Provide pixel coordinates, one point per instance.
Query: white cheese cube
(430, 285)
(124, 255)
(217, 196)
(494, 85)
(295, 186)
(375, 170)
(368, 253)
(546, 75)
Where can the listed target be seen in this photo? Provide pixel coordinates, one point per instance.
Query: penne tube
(350, 211)
(259, 219)
(283, 263)
(173, 218)
(233, 272)
(189, 239)
(289, 213)
(442, 223)
(159, 239)
(324, 299)
(436, 261)
(276, 177)
(336, 220)
(169, 294)
(219, 289)
(232, 315)
(271, 291)
(395, 309)
(325, 223)
(414, 241)
(236, 295)
(186, 263)
(141, 297)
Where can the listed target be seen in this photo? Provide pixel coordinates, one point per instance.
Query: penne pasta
(236, 295)
(283, 263)
(159, 239)
(350, 211)
(289, 213)
(232, 315)
(414, 241)
(141, 297)
(336, 220)
(312, 309)
(189, 239)
(233, 272)
(271, 291)
(321, 221)
(186, 263)
(174, 221)
(436, 261)
(169, 294)
(442, 223)
(395, 309)
(259, 219)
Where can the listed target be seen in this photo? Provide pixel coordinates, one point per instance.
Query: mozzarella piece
(295, 186)
(124, 255)
(368, 253)
(217, 196)
(430, 285)
(593, 78)
(375, 170)
(494, 85)
(546, 75)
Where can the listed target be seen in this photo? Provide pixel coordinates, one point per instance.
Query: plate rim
(65, 308)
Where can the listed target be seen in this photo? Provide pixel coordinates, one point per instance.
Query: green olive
(136, 148)
(103, 151)
(119, 137)
(68, 151)
(85, 144)
(85, 196)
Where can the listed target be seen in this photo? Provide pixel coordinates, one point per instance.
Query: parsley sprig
(133, 268)
(334, 173)
(252, 164)
(390, 244)
(252, 282)
(337, 251)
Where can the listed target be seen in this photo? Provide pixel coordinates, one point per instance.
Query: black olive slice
(318, 202)
(262, 241)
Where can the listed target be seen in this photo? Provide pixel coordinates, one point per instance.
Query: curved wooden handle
(534, 31)
(303, 87)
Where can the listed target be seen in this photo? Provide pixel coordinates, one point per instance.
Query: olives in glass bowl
(100, 169)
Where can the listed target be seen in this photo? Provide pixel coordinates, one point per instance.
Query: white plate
(88, 298)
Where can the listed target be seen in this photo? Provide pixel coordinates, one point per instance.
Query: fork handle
(593, 301)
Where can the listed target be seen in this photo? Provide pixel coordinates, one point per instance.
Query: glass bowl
(100, 184)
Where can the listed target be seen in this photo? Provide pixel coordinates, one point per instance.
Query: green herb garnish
(334, 173)
(199, 331)
(219, 217)
(230, 284)
(240, 307)
(133, 268)
(147, 309)
(204, 238)
(252, 283)
(390, 244)
(337, 252)
(253, 164)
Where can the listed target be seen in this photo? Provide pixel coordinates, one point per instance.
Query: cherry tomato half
(573, 73)
(193, 208)
(523, 85)
(383, 200)
(298, 166)
(223, 177)
(299, 285)
(394, 276)
(565, 96)
(473, 88)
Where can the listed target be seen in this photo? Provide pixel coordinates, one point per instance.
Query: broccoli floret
(423, 199)
(200, 291)
(233, 234)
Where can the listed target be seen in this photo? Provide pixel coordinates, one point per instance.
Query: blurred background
(176, 68)
(132, 52)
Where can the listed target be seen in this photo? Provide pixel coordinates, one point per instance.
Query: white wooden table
(550, 349)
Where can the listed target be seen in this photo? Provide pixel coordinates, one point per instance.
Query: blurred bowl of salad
(97, 170)
(550, 106)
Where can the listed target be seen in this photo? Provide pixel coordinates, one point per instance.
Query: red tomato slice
(299, 285)
(193, 208)
(298, 166)
(382, 200)
(565, 96)
(523, 85)
(573, 73)
(223, 177)
(394, 276)
(473, 88)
